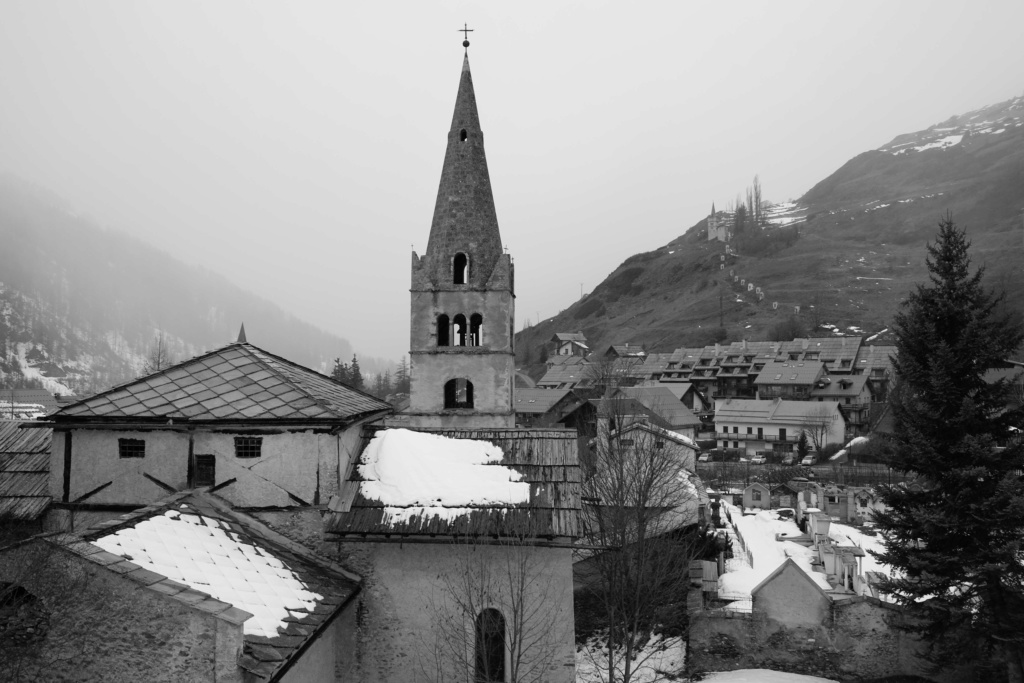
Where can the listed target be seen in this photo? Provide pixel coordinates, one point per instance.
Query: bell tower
(462, 299)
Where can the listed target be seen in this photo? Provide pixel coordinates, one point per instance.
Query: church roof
(237, 382)
(464, 216)
(542, 490)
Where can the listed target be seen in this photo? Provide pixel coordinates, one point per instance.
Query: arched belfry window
(443, 325)
(490, 647)
(460, 329)
(462, 135)
(458, 393)
(461, 269)
(476, 329)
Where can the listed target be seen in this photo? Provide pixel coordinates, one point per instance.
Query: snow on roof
(206, 555)
(766, 554)
(416, 473)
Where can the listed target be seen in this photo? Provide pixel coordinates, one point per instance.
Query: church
(432, 544)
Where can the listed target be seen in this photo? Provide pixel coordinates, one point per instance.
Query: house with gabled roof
(262, 431)
(184, 589)
(753, 425)
(569, 344)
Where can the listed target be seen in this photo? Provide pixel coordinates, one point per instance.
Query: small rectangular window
(625, 442)
(755, 495)
(750, 430)
(248, 446)
(131, 448)
(206, 470)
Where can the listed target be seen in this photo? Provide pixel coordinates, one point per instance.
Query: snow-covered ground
(763, 676)
(659, 658)
(758, 532)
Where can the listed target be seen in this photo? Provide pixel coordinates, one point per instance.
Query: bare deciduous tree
(817, 424)
(159, 356)
(494, 616)
(639, 502)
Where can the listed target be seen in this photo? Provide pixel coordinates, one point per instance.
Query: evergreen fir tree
(355, 377)
(340, 373)
(802, 447)
(956, 546)
(402, 377)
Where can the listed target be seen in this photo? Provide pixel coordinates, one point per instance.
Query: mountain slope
(80, 306)
(845, 253)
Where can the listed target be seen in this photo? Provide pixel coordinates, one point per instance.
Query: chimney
(717, 348)
(744, 344)
(804, 343)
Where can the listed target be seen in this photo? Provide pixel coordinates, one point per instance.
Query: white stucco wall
(291, 462)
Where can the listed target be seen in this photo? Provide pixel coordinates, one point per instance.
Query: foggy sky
(296, 147)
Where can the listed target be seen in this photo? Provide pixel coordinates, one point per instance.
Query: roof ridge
(304, 368)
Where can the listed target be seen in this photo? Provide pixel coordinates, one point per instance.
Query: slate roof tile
(239, 381)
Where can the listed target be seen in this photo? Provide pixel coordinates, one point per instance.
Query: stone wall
(857, 640)
(102, 626)
(404, 596)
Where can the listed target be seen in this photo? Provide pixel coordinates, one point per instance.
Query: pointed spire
(464, 217)
(712, 208)
(241, 335)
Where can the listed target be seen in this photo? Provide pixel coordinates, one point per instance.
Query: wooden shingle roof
(546, 459)
(238, 382)
(24, 470)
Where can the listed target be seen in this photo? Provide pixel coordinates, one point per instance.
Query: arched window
(460, 330)
(443, 325)
(458, 393)
(462, 135)
(461, 268)
(490, 647)
(476, 329)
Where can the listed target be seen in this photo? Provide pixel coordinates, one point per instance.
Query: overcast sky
(296, 147)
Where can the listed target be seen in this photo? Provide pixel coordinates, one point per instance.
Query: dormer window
(461, 268)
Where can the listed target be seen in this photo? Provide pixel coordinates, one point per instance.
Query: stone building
(262, 431)
(463, 303)
(457, 520)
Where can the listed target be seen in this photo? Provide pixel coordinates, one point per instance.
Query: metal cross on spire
(465, 31)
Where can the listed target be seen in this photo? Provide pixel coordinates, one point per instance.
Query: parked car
(759, 460)
(788, 459)
(809, 460)
(704, 457)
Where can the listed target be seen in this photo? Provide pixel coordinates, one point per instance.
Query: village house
(184, 589)
(569, 344)
(262, 431)
(753, 425)
(544, 407)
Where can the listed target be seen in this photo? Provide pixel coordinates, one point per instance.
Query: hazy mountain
(80, 306)
(846, 252)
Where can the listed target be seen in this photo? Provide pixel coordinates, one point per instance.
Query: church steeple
(462, 315)
(464, 221)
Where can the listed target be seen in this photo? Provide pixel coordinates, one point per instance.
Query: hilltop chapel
(238, 517)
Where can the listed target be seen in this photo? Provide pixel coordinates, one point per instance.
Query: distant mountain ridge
(80, 306)
(840, 258)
